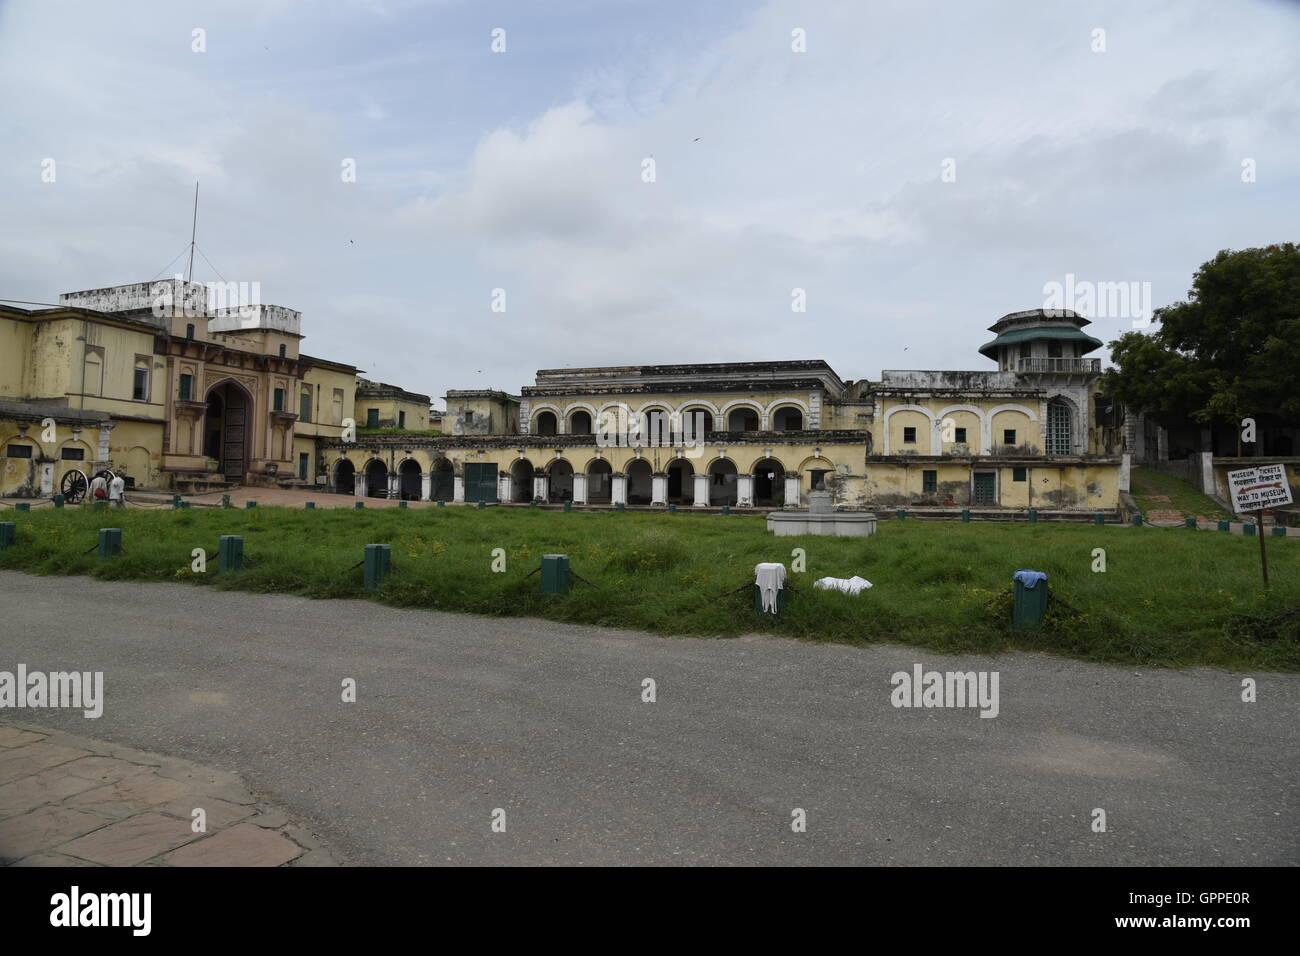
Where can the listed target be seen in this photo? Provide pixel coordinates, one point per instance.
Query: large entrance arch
(561, 483)
(226, 435)
(600, 482)
(640, 483)
(345, 478)
(521, 481)
(376, 479)
(410, 479)
(769, 483)
(722, 482)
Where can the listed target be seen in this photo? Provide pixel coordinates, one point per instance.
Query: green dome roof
(1059, 332)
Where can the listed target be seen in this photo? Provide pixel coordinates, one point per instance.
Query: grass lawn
(1182, 496)
(1167, 597)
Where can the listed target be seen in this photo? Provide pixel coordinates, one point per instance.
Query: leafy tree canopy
(1230, 351)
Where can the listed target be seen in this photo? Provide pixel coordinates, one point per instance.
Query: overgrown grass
(1167, 596)
(1181, 494)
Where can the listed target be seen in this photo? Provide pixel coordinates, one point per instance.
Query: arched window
(546, 423)
(580, 423)
(787, 419)
(742, 420)
(1060, 435)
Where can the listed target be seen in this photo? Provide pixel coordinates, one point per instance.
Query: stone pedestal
(619, 495)
(579, 488)
(701, 491)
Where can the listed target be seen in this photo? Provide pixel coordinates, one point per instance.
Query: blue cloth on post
(1029, 579)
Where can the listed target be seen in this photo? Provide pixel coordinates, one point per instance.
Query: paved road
(457, 716)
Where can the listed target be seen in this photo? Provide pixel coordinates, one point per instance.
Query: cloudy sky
(918, 169)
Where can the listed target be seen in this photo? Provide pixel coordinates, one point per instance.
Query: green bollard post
(378, 562)
(482, 504)
(441, 503)
(1190, 522)
(58, 501)
(622, 507)
(249, 505)
(555, 573)
(1279, 531)
(225, 501)
(672, 509)
(23, 506)
(8, 533)
(401, 504)
(965, 515)
(1136, 520)
(110, 542)
(359, 506)
(1225, 525)
(1033, 516)
(726, 509)
(176, 502)
(185, 505)
(309, 506)
(568, 506)
(1248, 529)
(902, 514)
(1098, 518)
(230, 552)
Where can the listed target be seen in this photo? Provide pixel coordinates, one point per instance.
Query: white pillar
(620, 489)
(426, 486)
(394, 488)
(792, 491)
(541, 486)
(579, 488)
(701, 491)
(504, 482)
(459, 493)
(744, 491)
(659, 489)
(1124, 466)
(359, 484)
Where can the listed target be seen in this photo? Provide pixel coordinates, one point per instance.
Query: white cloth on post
(769, 578)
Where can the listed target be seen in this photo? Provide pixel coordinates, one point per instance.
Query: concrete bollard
(902, 514)
(230, 552)
(1279, 531)
(401, 504)
(965, 515)
(359, 506)
(378, 562)
(672, 509)
(441, 503)
(8, 533)
(622, 507)
(309, 506)
(482, 504)
(23, 506)
(1225, 525)
(176, 502)
(568, 506)
(58, 501)
(533, 503)
(1190, 522)
(726, 509)
(110, 542)
(249, 505)
(1098, 518)
(1248, 530)
(1136, 520)
(225, 501)
(1029, 604)
(1033, 516)
(555, 573)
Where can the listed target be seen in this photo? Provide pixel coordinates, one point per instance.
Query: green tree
(1230, 351)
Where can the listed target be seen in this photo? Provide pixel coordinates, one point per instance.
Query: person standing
(116, 492)
(98, 489)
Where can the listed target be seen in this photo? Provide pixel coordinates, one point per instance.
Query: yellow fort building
(149, 381)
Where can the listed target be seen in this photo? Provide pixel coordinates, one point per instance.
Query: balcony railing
(1058, 365)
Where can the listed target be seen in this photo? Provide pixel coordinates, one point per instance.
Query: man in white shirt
(116, 488)
(98, 489)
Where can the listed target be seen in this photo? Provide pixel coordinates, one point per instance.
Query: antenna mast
(189, 276)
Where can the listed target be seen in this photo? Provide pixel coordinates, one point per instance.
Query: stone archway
(769, 483)
(640, 485)
(443, 481)
(410, 480)
(376, 479)
(600, 485)
(227, 429)
(345, 478)
(561, 483)
(681, 484)
(722, 482)
(521, 481)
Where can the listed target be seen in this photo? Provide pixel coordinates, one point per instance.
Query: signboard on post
(1264, 486)
(1254, 489)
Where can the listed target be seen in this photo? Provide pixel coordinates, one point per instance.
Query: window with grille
(929, 481)
(1058, 429)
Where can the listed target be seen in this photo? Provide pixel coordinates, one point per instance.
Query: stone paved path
(67, 800)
